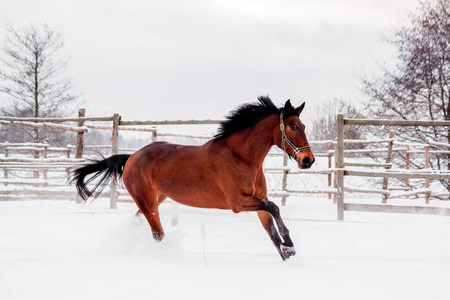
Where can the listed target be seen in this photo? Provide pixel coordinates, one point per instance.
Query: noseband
(286, 140)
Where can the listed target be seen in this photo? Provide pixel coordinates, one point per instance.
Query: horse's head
(293, 138)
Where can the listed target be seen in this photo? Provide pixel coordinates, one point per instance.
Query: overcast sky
(164, 59)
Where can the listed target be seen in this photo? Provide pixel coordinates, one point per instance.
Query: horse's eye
(293, 128)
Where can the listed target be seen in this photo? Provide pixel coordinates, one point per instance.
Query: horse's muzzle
(306, 162)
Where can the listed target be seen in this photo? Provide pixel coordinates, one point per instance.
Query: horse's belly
(194, 192)
(199, 199)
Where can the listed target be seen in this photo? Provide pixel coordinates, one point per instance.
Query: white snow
(64, 250)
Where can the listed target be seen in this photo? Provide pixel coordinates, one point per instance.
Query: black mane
(246, 116)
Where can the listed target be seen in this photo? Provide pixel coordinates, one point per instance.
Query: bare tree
(418, 87)
(325, 118)
(31, 76)
(324, 123)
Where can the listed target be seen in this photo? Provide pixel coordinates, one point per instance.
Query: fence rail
(385, 122)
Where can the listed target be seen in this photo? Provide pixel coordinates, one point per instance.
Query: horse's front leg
(268, 224)
(285, 247)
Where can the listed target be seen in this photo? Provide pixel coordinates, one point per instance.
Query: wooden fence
(341, 171)
(335, 151)
(86, 123)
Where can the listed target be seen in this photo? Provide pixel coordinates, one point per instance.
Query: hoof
(286, 251)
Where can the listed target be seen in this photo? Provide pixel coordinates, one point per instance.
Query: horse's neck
(253, 144)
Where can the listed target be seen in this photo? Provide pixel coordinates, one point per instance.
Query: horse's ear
(300, 108)
(287, 106)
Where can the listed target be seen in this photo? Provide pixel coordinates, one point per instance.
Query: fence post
(339, 165)
(115, 134)
(115, 146)
(329, 167)
(45, 171)
(427, 166)
(154, 136)
(407, 167)
(285, 175)
(388, 160)
(5, 171)
(80, 135)
(79, 145)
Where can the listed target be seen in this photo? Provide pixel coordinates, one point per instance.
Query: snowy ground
(63, 250)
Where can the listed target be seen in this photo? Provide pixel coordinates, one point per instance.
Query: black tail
(103, 169)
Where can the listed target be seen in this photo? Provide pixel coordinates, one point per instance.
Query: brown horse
(224, 173)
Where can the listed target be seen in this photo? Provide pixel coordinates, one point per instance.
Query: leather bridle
(285, 139)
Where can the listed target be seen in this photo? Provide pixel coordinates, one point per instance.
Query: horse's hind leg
(161, 198)
(148, 206)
